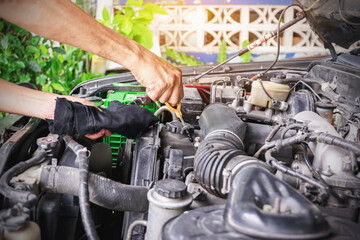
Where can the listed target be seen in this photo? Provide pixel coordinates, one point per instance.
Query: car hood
(335, 21)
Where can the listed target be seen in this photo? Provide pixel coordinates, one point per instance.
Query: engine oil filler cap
(171, 188)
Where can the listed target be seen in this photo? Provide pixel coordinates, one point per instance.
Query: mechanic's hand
(162, 80)
(75, 118)
(103, 133)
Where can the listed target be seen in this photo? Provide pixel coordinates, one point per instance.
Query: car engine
(271, 158)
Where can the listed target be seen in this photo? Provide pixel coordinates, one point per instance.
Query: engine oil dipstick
(178, 113)
(252, 45)
(176, 110)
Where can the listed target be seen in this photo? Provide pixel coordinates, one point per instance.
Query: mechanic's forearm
(29, 102)
(65, 22)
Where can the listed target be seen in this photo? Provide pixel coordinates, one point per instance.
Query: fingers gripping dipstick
(178, 113)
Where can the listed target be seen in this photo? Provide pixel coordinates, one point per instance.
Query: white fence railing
(200, 28)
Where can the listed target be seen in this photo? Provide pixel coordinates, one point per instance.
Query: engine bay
(253, 154)
(239, 165)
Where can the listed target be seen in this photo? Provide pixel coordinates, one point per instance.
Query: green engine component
(125, 94)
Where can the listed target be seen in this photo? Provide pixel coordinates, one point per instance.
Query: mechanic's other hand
(103, 133)
(162, 80)
(75, 118)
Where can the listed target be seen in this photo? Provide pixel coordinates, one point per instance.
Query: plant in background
(222, 52)
(133, 21)
(247, 56)
(28, 58)
(181, 58)
(222, 56)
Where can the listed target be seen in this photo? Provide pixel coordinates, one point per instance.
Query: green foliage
(247, 56)
(133, 21)
(181, 58)
(27, 58)
(222, 52)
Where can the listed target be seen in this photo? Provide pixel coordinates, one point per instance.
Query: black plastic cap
(170, 188)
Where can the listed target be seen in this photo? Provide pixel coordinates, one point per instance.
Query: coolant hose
(102, 191)
(84, 202)
(16, 194)
(221, 154)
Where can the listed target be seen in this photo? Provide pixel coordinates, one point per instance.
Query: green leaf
(181, 58)
(42, 64)
(25, 78)
(155, 8)
(43, 49)
(8, 52)
(31, 49)
(61, 58)
(20, 64)
(146, 14)
(58, 87)
(140, 20)
(41, 79)
(247, 56)
(127, 26)
(59, 50)
(34, 66)
(133, 3)
(119, 18)
(129, 12)
(5, 41)
(105, 14)
(143, 35)
(55, 66)
(222, 52)
(2, 24)
(35, 40)
(47, 88)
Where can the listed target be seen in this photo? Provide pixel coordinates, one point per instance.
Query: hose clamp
(226, 131)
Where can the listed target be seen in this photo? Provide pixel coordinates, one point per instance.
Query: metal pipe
(165, 108)
(132, 227)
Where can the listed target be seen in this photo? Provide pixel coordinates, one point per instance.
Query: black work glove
(75, 118)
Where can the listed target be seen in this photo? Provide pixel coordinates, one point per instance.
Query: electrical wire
(277, 50)
(308, 164)
(312, 5)
(278, 37)
(204, 95)
(308, 86)
(341, 2)
(292, 126)
(204, 90)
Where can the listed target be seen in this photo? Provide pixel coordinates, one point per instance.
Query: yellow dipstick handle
(177, 111)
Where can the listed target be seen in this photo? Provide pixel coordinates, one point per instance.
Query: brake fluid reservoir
(259, 98)
(168, 199)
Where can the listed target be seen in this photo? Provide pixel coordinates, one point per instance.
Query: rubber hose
(211, 158)
(15, 194)
(85, 208)
(224, 132)
(292, 126)
(102, 191)
(339, 142)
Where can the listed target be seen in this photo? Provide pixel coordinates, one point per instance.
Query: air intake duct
(221, 154)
